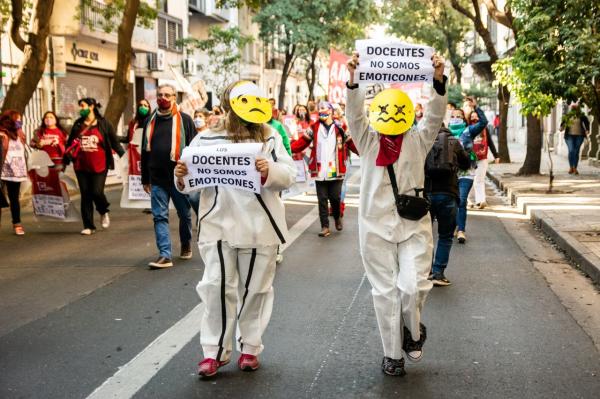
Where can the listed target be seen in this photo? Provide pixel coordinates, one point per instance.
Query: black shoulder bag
(409, 207)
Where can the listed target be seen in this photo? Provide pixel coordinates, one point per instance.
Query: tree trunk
(34, 60)
(533, 157)
(503, 100)
(311, 74)
(120, 88)
(285, 72)
(457, 71)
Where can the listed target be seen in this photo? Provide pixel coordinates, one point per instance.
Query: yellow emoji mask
(391, 112)
(249, 103)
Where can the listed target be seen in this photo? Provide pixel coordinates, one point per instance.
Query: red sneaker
(209, 367)
(248, 362)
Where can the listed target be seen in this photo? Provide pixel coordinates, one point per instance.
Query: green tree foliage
(433, 22)
(223, 48)
(558, 54)
(299, 29)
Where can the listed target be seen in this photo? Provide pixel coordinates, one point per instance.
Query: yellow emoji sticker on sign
(249, 103)
(391, 112)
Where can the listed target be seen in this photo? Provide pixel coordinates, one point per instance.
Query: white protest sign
(135, 189)
(393, 61)
(227, 165)
(48, 205)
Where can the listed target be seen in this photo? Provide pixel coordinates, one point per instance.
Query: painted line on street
(135, 374)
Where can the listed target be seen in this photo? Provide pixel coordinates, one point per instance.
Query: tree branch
(497, 15)
(456, 5)
(17, 20)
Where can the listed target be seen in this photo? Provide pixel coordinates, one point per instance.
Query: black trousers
(329, 190)
(91, 186)
(13, 189)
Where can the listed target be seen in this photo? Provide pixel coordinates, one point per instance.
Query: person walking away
(90, 145)
(496, 124)
(576, 130)
(327, 163)
(14, 163)
(446, 158)
(51, 138)
(396, 251)
(239, 233)
(166, 134)
(466, 133)
(482, 145)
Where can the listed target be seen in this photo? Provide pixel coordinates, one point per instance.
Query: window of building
(170, 31)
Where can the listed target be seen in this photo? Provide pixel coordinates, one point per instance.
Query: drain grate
(586, 236)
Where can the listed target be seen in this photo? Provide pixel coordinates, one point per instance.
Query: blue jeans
(464, 186)
(574, 145)
(443, 209)
(159, 200)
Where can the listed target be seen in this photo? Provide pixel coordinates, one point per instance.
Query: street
(84, 314)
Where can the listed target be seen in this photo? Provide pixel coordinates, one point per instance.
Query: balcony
(93, 16)
(209, 9)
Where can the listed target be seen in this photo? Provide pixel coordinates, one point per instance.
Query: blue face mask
(18, 124)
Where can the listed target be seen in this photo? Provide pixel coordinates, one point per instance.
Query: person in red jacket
(327, 163)
(51, 138)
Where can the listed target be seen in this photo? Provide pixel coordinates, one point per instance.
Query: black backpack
(441, 160)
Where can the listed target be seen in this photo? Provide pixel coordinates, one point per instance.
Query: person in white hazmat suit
(238, 234)
(396, 251)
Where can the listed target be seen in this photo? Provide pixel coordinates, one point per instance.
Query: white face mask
(199, 123)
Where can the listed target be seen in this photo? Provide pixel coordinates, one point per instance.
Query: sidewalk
(569, 215)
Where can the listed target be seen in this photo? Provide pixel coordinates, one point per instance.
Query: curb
(587, 261)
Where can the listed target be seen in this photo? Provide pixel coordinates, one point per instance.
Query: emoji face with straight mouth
(391, 112)
(249, 103)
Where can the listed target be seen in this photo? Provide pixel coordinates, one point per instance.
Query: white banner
(393, 61)
(228, 165)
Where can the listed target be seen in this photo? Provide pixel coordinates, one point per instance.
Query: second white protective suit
(396, 252)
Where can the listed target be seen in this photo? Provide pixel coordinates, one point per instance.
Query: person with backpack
(482, 145)
(446, 157)
(396, 243)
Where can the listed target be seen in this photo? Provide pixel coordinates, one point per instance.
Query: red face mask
(163, 103)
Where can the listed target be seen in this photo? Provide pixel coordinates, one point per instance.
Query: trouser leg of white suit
(255, 296)
(479, 181)
(226, 270)
(398, 274)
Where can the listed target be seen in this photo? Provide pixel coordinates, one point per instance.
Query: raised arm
(358, 123)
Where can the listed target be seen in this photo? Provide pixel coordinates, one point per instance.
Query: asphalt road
(73, 310)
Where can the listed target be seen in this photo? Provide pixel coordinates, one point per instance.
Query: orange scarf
(177, 133)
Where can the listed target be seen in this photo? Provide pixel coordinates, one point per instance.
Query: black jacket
(110, 140)
(157, 167)
(448, 185)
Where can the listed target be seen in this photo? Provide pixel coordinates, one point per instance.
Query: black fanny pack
(411, 207)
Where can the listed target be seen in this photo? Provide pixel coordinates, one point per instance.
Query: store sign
(85, 55)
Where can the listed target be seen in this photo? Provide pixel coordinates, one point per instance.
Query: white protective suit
(238, 238)
(396, 252)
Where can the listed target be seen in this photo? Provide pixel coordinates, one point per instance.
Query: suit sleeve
(429, 127)
(282, 173)
(358, 123)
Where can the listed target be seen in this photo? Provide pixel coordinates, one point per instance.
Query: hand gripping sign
(225, 165)
(393, 61)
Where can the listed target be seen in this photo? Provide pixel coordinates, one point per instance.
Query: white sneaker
(105, 221)
(87, 232)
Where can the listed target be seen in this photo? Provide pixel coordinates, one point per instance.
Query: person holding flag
(396, 242)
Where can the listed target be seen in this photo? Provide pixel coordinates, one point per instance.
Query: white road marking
(132, 376)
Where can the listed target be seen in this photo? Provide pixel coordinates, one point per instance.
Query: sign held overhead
(393, 61)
